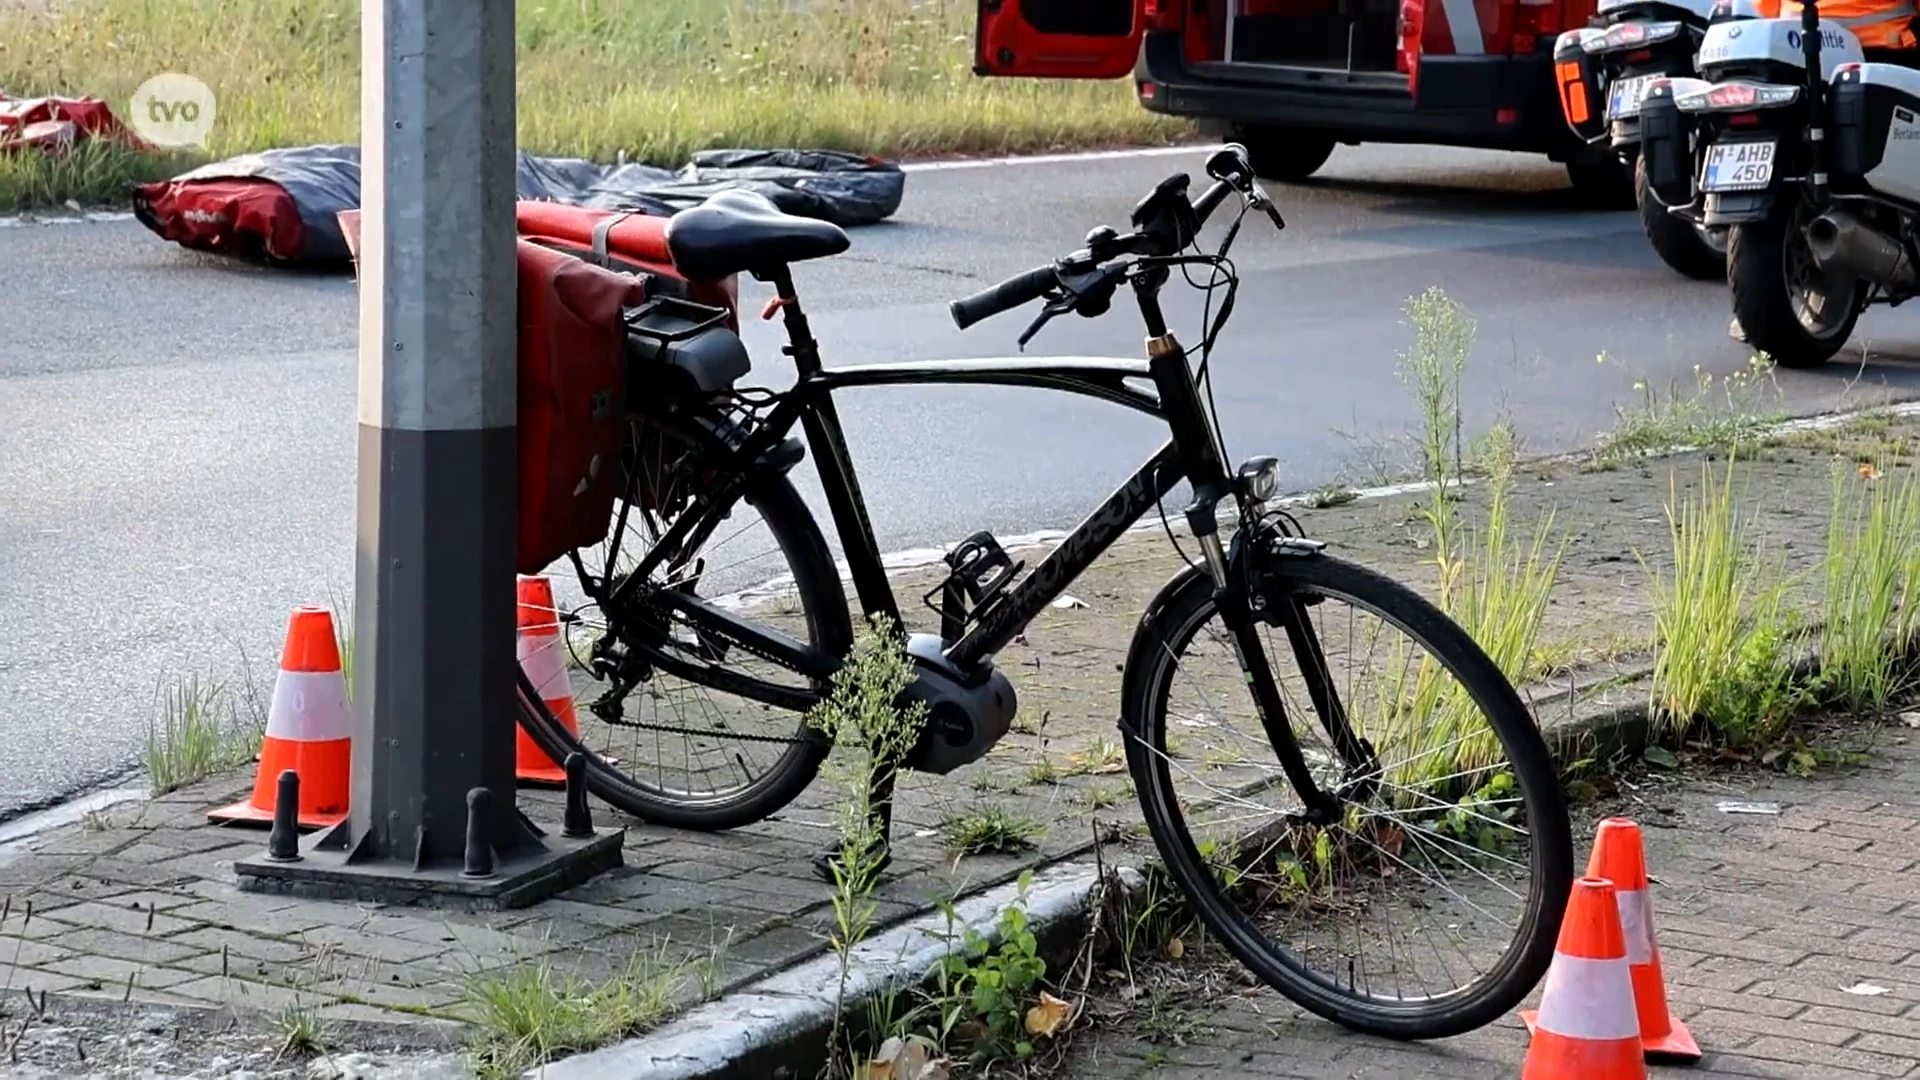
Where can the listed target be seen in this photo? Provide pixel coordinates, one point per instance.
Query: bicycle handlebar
(1026, 287)
(1016, 291)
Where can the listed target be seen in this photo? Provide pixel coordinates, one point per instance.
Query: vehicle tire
(1173, 622)
(829, 627)
(1602, 183)
(1286, 155)
(1776, 300)
(1682, 245)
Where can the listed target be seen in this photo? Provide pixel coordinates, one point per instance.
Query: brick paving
(137, 904)
(1791, 946)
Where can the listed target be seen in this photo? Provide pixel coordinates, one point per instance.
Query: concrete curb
(779, 1026)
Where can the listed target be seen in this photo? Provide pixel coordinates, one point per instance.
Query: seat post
(801, 344)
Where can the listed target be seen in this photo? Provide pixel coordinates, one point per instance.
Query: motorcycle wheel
(1790, 311)
(1693, 250)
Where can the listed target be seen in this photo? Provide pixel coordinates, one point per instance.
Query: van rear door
(1058, 39)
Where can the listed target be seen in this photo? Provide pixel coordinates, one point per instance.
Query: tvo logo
(173, 110)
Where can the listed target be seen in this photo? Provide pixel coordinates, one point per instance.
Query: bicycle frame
(1191, 453)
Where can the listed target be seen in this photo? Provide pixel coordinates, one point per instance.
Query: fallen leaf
(1868, 472)
(1391, 839)
(1176, 948)
(1046, 1017)
(1661, 756)
(1866, 990)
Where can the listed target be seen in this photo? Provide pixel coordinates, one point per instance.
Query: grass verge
(534, 1012)
(652, 81)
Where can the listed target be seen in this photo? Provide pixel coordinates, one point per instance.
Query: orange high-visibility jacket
(1879, 24)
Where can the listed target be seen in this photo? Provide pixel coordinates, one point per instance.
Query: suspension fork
(1198, 446)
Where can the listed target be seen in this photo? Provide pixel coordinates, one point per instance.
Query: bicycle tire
(824, 604)
(1176, 615)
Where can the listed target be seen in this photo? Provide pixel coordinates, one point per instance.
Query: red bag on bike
(572, 400)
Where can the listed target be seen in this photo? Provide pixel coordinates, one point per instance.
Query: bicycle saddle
(742, 230)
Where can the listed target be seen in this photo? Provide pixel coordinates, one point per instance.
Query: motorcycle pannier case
(1578, 81)
(1873, 106)
(572, 400)
(1665, 148)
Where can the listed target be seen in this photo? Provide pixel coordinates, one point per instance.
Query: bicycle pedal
(974, 558)
(978, 571)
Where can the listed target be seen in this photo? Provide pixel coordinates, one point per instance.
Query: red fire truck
(1290, 79)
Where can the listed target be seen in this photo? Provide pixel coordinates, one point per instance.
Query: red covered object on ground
(57, 124)
(249, 218)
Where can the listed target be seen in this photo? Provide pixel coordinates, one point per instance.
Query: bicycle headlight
(1260, 478)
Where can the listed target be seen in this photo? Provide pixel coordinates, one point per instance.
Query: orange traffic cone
(1585, 1028)
(309, 729)
(543, 657)
(1619, 856)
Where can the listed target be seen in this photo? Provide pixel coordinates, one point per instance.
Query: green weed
(989, 829)
(862, 717)
(1727, 636)
(533, 1012)
(1872, 569)
(1730, 414)
(194, 732)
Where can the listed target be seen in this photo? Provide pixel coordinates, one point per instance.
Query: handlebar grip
(1209, 199)
(1009, 294)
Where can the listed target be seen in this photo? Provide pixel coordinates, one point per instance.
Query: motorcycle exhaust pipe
(1843, 244)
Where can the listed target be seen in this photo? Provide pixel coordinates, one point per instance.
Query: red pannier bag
(573, 400)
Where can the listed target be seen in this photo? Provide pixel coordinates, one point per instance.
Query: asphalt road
(176, 453)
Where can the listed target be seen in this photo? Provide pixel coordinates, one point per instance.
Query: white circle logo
(172, 110)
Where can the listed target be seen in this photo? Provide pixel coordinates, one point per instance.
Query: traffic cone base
(1620, 856)
(1586, 1028)
(309, 730)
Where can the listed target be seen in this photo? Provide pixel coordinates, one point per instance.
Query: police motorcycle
(1604, 71)
(1811, 157)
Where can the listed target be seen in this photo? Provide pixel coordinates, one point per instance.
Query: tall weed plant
(1496, 581)
(1872, 571)
(1727, 636)
(865, 720)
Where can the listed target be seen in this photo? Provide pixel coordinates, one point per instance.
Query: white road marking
(1058, 159)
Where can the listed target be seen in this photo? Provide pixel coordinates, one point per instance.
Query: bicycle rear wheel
(684, 718)
(1439, 771)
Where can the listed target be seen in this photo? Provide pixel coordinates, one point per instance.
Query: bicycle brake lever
(1047, 315)
(1265, 202)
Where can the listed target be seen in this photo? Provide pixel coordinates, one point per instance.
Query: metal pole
(434, 694)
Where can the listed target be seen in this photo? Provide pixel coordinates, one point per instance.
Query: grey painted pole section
(434, 587)
(435, 692)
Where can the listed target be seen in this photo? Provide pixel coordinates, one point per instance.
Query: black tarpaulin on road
(315, 183)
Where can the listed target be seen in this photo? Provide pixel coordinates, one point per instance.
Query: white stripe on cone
(540, 657)
(1636, 921)
(310, 706)
(1589, 999)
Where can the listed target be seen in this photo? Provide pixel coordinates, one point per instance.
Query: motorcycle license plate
(1739, 166)
(1624, 96)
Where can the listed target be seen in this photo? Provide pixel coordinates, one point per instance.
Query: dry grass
(655, 79)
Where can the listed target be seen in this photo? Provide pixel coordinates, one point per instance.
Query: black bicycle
(1311, 812)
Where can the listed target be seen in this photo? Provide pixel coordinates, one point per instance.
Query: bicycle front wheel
(1427, 903)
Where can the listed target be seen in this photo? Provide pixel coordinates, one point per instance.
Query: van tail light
(1165, 14)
